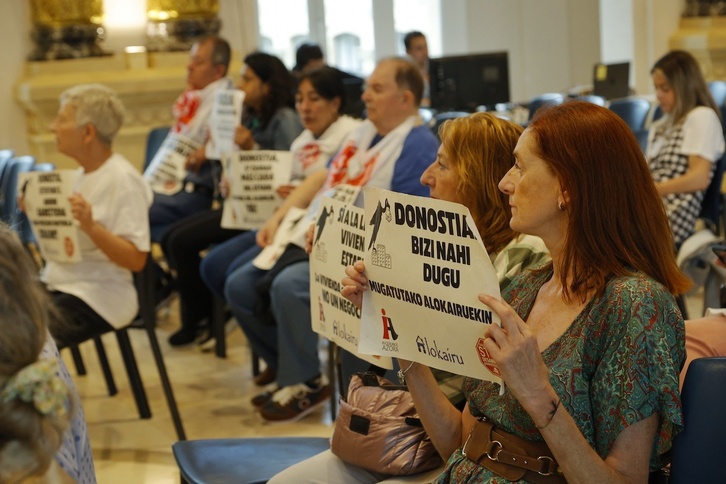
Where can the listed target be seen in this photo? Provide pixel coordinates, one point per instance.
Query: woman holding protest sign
(269, 122)
(591, 376)
(475, 153)
(110, 205)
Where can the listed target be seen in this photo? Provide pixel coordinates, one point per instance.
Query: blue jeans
(290, 347)
(227, 257)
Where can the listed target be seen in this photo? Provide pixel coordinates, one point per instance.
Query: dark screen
(611, 80)
(462, 83)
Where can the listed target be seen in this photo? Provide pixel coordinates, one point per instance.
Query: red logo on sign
(486, 358)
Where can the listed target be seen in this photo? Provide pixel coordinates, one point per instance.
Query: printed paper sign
(266, 259)
(253, 178)
(347, 194)
(167, 171)
(426, 265)
(45, 196)
(224, 119)
(338, 241)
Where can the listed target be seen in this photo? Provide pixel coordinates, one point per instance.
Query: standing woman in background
(685, 144)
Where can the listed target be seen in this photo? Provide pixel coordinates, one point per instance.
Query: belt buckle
(497, 447)
(544, 458)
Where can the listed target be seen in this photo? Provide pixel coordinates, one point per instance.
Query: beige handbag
(378, 429)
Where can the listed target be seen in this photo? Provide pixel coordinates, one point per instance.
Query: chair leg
(132, 369)
(255, 363)
(332, 352)
(78, 360)
(105, 367)
(165, 383)
(681, 301)
(145, 287)
(217, 327)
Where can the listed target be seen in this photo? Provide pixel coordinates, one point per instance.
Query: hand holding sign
(354, 283)
(52, 209)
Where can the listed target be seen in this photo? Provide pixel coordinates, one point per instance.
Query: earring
(561, 206)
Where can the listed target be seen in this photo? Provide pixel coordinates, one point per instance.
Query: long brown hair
(685, 78)
(480, 149)
(28, 439)
(617, 223)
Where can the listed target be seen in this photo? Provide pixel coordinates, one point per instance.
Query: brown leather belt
(511, 456)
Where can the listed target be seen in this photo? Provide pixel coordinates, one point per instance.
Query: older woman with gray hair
(111, 205)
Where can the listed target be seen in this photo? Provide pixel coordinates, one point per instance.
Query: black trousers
(182, 242)
(76, 321)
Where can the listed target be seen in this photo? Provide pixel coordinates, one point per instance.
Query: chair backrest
(592, 98)
(440, 118)
(698, 449)
(712, 199)
(5, 156)
(9, 212)
(547, 99)
(634, 111)
(153, 143)
(718, 91)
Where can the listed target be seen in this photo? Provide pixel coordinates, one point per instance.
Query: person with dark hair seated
(391, 149)
(269, 123)
(310, 56)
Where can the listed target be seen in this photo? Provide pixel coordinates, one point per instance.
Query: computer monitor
(462, 83)
(611, 81)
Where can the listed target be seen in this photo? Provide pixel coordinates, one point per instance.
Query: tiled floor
(213, 396)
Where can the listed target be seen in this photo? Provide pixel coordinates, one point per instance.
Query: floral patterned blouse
(617, 364)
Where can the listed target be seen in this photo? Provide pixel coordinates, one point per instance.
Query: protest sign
(167, 170)
(338, 240)
(45, 197)
(253, 178)
(266, 259)
(426, 265)
(223, 121)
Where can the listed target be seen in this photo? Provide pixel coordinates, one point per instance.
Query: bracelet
(552, 415)
(402, 373)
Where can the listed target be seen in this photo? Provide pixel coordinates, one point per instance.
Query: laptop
(611, 81)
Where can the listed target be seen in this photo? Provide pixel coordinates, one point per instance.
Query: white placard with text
(426, 265)
(338, 241)
(45, 197)
(167, 169)
(253, 180)
(224, 119)
(266, 259)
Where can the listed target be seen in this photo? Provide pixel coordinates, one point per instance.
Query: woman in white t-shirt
(686, 143)
(110, 204)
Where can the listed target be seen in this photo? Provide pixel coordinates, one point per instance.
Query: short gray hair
(98, 105)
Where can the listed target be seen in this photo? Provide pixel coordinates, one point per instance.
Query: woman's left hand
(516, 352)
(82, 211)
(243, 138)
